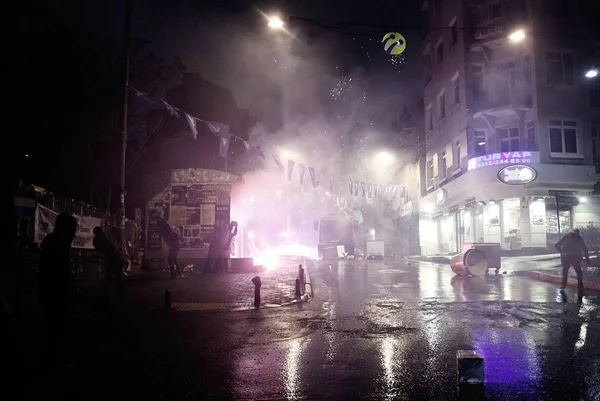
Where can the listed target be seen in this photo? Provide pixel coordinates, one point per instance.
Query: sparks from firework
(343, 85)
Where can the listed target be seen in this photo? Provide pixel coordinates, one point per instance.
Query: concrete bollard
(297, 287)
(302, 279)
(257, 284)
(167, 300)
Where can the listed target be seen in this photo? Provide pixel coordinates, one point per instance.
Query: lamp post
(127, 47)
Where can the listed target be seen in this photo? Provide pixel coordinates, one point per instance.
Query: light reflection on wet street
(390, 331)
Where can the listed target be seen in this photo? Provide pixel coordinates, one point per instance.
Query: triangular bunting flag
(301, 168)
(362, 186)
(192, 122)
(278, 162)
(355, 188)
(313, 177)
(224, 148)
(170, 109)
(290, 169)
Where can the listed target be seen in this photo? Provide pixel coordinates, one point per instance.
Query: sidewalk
(219, 292)
(539, 267)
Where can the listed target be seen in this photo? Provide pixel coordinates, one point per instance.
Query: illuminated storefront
(507, 198)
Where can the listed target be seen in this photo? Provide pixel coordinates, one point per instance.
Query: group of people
(218, 252)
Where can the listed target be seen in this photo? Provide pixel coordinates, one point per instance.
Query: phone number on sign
(499, 162)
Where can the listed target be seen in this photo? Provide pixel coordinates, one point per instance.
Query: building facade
(509, 156)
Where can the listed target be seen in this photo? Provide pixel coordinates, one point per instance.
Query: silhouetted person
(572, 248)
(113, 260)
(54, 280)
(172, 237)
(214, 249)
(225, 246)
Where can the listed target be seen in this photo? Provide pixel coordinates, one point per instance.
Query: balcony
(503, 102)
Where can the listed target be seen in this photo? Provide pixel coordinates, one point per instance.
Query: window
(443, 164)
(495, 10)
(457, 154)
(440, 52)
(479, 139)
(430, 173)
(531, 142)
(559, 68)
(442, 104)
(596, 149)
(477, 75)
(509, 139)
(454, 34)
(429, 117)
(563, 138)
(456, 85)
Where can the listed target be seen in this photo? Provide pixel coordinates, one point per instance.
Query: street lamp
(275, 22)
(385, 157)
(591, 73)
(517, 36)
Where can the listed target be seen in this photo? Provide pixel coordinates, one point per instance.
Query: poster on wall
(179, 195)
(194, 209)
(222, 213)
(194, 195)
(153, 235)
(178, 216)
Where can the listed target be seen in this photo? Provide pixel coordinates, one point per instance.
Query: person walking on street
(54, 282)
(172, 237)
(572, 247)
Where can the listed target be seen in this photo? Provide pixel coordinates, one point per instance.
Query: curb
(553, 278)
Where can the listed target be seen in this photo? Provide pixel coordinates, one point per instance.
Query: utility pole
(126, 47)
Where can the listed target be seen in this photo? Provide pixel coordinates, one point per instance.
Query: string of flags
(356, 188)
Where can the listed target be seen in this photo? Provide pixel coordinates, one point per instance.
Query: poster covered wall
(44, 225)
(193, 209)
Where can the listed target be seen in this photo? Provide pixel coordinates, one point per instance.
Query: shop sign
(517, 175)
(567, 200)
(440, 196)
(498, 159)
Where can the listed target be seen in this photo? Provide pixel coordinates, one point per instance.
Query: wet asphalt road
(391, 331)
(374, 331)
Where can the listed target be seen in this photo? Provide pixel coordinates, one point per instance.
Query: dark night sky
(207, 34)
(226, 41)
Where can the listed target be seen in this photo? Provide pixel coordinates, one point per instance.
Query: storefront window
(511, 215)
(552, 219)
(448, 235)
(467, 225)
(537, 213)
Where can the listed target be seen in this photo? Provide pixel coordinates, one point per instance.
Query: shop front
(519, 206)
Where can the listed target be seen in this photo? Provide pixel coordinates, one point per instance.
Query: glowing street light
(591, 73)
(385, 157)
(275, 22)
(517, 36)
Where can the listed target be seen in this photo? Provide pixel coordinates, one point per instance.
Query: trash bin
(471, 262)
(492, 252)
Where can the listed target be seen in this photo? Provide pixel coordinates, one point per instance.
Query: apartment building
(509, 156)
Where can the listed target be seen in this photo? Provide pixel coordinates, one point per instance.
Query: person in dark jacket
(172, 237)
(572, 248)
(54, 280)
(113, 261)
(214, 248)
